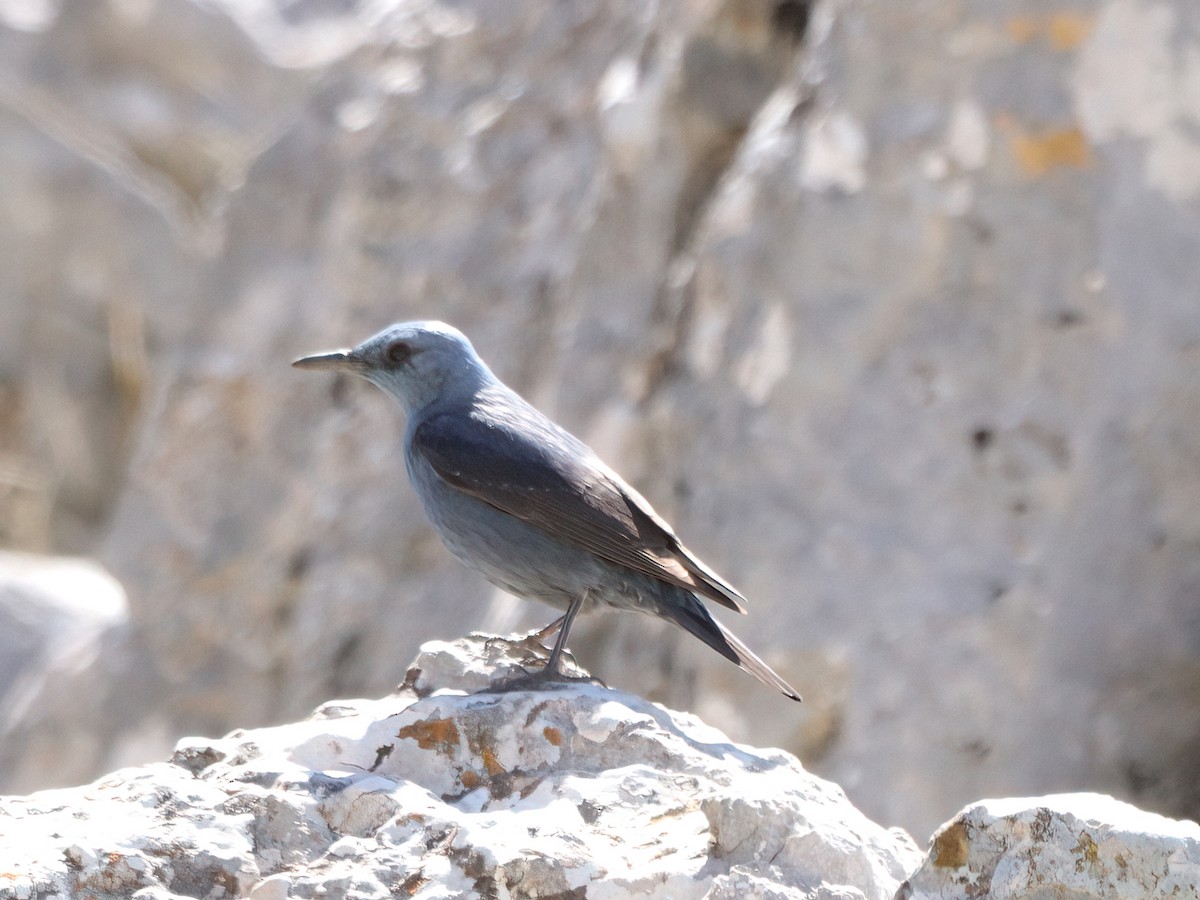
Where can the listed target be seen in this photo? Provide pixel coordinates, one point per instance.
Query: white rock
(274, 888)
(53, 612)
(1068, 845)
(835, 156)
(62, 622)
(184, 213)
(523, 793)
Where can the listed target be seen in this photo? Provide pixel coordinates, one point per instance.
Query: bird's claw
(543, 679)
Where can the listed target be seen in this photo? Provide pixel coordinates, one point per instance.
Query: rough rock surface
(1066, 846)
(572, 791)
(890, 307)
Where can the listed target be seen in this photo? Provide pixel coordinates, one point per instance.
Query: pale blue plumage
(526, 504)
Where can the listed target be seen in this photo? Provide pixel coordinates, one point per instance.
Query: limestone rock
(431, 792)
(1076, 846)
(890, 308)
(908, 327)
(64, 640)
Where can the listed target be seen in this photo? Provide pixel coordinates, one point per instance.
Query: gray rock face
(890, 311)
(64, 653)
(1074, 846)
(433, 792)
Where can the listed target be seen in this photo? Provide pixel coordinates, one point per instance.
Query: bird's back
(506, 454)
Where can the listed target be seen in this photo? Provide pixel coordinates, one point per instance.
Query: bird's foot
(530, 648)
(544, 678)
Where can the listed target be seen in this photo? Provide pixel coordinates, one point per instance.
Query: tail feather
(694, 618)
(710, 584)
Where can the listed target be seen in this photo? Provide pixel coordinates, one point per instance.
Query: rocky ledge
(1063, 846)
(447, 788)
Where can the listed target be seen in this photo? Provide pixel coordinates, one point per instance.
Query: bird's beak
(342, 360)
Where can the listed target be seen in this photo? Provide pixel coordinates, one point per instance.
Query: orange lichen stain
(553, 735)
(490, 762)
(470, 780)
(1063, 31)
(430, 734)
(1087, 853)
(675, 812)
(1037, 153)
(1066, 31)
(951, 846)
(1022, 28)
(414, 882)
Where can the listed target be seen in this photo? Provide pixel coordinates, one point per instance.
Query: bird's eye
(398, 352)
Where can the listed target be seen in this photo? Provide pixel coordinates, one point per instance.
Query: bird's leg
(544, 635)
(551, 672)
(564, 629)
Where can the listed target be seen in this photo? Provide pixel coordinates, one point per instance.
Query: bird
(528, 505)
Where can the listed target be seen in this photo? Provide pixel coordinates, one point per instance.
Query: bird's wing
(545, 478)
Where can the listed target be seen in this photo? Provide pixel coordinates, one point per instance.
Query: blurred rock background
(893, 309)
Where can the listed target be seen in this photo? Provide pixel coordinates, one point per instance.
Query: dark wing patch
(550, 481)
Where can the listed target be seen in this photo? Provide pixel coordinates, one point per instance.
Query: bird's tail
(691, 615)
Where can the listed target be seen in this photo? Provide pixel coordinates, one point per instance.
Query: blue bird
(528, 505)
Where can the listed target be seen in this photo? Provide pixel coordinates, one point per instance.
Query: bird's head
(418, 363)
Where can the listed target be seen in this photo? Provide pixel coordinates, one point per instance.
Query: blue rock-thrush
(528, 505)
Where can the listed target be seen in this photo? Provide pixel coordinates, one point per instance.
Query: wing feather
(546, 478)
